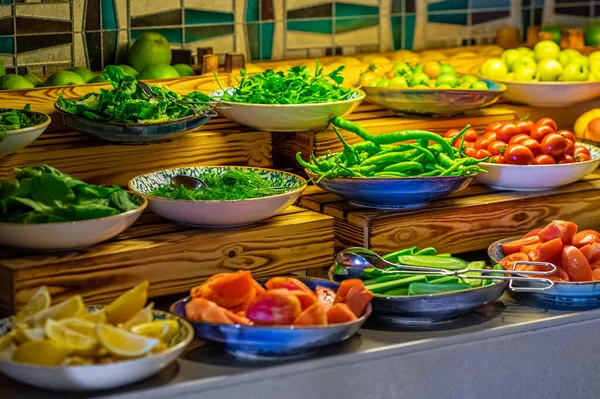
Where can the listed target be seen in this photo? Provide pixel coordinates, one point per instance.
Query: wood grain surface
(173, 257)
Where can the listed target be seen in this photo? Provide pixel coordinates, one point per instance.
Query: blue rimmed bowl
(135, 133)
(274, 342)
(218, 213)
(393, 193)
(434, 101)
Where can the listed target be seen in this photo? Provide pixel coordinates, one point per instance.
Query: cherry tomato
(567, 134)
(471, 152)
(482, 143)
(558, 229)
(509, 261)
(581, 150)
(480, 154)
(533, 145)
(566, 159)
(496, 146)
(451, 133)
(506, 132)
(585, 237)
(491, 136)
(544, 160)
(547, 122)
(518, 155)
(576, 264)
(524, 127)
(519, 138)
(492, 127)
(471, 135)
(512, 247)
(498, 159)
(582, 158)
(554, 145)
(570, 147)
(532, 233)
(539, 132)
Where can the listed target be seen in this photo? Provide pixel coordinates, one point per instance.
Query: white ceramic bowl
(98, 376)
(217, 213)
(537, 177)
(287, 117)
(68, 235)
(16, 140)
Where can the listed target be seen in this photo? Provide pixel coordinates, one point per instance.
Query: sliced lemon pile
(143, 316)
(71, 307)
(68, 338)
(42, 353)
(28, 334)
(160, 329)
(39, 301)
(81, 326)
(95, 317)
(127, 305)
(122, 343)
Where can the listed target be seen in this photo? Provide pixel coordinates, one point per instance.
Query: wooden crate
(173, 257)
(468, 221)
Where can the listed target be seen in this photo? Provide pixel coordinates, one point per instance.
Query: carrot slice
(345, 287)
(340, 313)
(314, 315)
(358, 299)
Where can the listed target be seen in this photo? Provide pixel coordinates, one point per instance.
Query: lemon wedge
(42, 353)
(28, 334)
(71, 307)
(122, 343)
(39, 301)
(81, 326)
(127, 305)
(160, 329)
(6, 340)
(66, 337)
(145, 315)
(94, 317)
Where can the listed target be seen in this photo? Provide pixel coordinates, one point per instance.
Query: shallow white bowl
(537, 177)
(98, 376)
(217, 213)
(68, 235)
(16, 140)
(287, 117)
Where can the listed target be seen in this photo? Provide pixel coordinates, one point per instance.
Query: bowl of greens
(128, 114)
(19, 128)
(288, 102)
(236, 195)
(44, 209)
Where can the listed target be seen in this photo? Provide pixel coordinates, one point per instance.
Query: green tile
(195, 33)
(409, 31)
(109, 15)
(397, 32)
(253, 35)
(354, 10)
(197, 17)
(314, 25)
(350, 24)
(252, 10)
(454, 19)
(173, 35)
(266, 40)
(7, 45)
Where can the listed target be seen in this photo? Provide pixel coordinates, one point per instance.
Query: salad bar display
(295, 214)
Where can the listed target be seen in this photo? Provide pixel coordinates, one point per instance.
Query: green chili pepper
(449, 263)
(367, 146)
(454, 167)
(425, 152)
(313, 168)
(389, 174)
(390, 157)
(404, 166)
(431, 173)
(348, 150)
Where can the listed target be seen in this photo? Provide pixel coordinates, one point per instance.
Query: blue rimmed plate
(274, 342)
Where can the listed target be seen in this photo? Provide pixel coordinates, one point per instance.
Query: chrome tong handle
(543, 283)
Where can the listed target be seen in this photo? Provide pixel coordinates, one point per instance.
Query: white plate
(537, 177)
(68, 235)
(287, 117)
(16, 140)
(98, 376)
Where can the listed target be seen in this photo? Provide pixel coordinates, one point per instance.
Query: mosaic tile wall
(59, 33)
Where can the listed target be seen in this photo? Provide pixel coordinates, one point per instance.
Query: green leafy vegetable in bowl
(42, 194)
(232, 185)
(14, 119)
(127, 102)
(298, 86)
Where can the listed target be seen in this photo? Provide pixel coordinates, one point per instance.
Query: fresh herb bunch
(127, 102)
(234, 184)
(13, 119)
(298, 86)
(42, 194)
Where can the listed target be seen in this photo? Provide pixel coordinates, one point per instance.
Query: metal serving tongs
(354, 260)
(211, 104)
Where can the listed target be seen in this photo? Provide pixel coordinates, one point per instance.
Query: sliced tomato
(576, 264)
(513, 247)
(325, 296)
(509, 261)
(559, 229)
(585, 237)
(591, 251)
(549, 251)
(595, 265)
(532, 233)
(559, 275)
(596, 274)
(532, 250)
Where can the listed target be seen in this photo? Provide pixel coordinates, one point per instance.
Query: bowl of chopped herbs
(129, 114)
(19, 128)
(45, 209)
(234, 196)
(298, 100)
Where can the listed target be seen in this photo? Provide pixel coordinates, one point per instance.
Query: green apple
(549, 70)
(98, 79)
(446, 79)
(469, 78)
(421, 86)
(567, 55)
(402, 68)
(594, 75)
(523, 61)
(418, 68)
(556, 31)
(526, 51)
(494, 68)
(444, 87)
(11, 81)
(575, 73)
(591, 33)
(479, 86)
(129, 70)
(465, 85)
(33, 79)
(149, 49)
(446, 69)
(184, 70)
(580, 60)
(2, 69)
(374, 82)
(524, 74)
(383, 83)
(509, 57)
(419, 79)
(546, 49)
(85, 73)
(64, 78)
(398, 81)
(595, 56)
(510, 76)
(160, 71)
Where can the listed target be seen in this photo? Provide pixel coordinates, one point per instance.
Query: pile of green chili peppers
(387, 155)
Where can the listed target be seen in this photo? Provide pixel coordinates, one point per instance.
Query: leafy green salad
(42, 194)
(298, 86)
(13, 119)
(127, 102)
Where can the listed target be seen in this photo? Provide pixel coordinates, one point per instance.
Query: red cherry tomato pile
(575, 254)
(523, 143)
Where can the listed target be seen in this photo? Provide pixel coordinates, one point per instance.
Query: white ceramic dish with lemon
(286, 117)
(18, 139)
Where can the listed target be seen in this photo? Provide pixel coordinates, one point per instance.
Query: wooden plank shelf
(470, 220)
(173, 257)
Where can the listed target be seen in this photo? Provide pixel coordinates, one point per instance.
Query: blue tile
(409, 31)
(109, 15)
(252, 10)
(477, 4)
(448, 5)
(349, 24)
(452, 18)
(266, 40)
(397, 32)
(7, 45)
